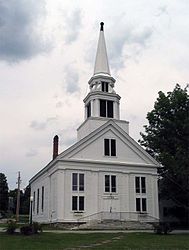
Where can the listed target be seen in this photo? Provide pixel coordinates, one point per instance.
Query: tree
(166, 138)
(3, 193)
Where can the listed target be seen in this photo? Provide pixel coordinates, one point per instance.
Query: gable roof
(109, 125)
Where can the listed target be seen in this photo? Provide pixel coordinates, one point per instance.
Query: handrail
(123, 216)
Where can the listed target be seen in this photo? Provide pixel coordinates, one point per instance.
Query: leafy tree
(166, 138)
(24, 200)
(3, 193)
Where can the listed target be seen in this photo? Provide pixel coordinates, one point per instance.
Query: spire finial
(101, 26)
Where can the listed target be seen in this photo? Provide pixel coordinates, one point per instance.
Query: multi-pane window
(105, 86)
(42, 198)
(141, 205)
(140, 185)
(88, 109)
(78, 203)
(110, 183)
(110, 147)
(106, 108)
(77, 182)
(37, 200)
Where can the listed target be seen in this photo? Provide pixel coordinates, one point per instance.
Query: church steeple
(102, 102)
(101, 62)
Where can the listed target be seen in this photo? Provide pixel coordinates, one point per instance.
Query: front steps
(115, 225)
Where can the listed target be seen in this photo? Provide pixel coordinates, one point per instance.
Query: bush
(162, 227)
(36, 227)
(26, 230)
(11, 226)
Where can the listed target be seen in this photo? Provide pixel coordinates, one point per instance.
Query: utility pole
(18, 198)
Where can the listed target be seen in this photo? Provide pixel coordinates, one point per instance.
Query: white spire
(101, 62)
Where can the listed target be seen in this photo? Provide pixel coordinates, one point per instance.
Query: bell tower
(102, 102)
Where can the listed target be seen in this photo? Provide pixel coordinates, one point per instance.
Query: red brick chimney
(55, 146)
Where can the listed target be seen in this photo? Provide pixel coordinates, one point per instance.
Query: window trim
(140, 184)
(78, 187)
(108, 178)
(77, 208)
(109, 148)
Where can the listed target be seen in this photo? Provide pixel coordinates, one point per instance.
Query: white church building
(105, 174)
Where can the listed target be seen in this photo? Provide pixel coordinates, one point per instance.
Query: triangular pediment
(91, 147)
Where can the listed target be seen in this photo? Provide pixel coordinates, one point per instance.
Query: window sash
(110, 183)
(81, 182)
(113, 147)
(140, 185)
(143, 184)
(74, 182)
(74, 203)
(143, 204)
(137, 184)
(138, 209)
(42, 198)
(113, 183)
(107, 183)
(78, 203)
(106, 147)
(81, 203)
(37, 200)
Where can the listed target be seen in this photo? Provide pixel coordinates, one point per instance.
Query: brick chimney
(55, 146)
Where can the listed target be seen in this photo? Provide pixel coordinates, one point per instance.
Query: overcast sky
(47, 53)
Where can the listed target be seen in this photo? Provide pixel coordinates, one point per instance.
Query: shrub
(162, 227)
(36, 227)
(11, 226)
(26, 230)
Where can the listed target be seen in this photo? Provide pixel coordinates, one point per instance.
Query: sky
(47, 55)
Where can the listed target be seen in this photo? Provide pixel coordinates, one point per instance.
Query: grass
(98, 241)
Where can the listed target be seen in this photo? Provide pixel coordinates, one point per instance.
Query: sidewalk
(104, 231)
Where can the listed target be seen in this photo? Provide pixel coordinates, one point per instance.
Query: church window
(106, 108)
(77, 203)
(105, 86)
(42, 198)
(89, 109)
(77, 179)
(74, 203)
(140, 184)
(110, 183)
(141, 205)
(74, 182)
(109, 147)
(34, 202)
(37, 200)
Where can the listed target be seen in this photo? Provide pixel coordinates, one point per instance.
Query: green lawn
(99, 241)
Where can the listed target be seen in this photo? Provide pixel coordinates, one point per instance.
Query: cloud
(71, 79)
(132, 36)
(32, 153)
(41, 125)
(19, 21)
(73, 26)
